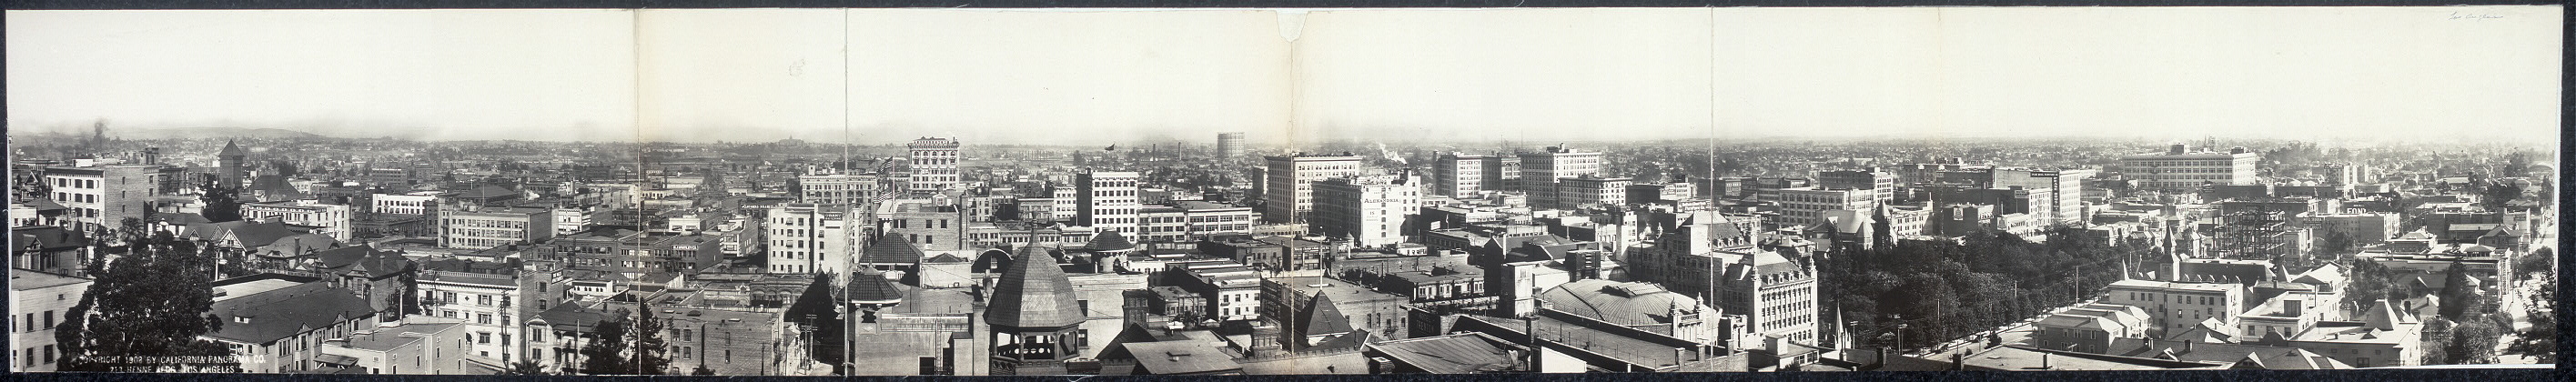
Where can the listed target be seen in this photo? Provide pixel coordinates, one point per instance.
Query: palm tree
(525, 367)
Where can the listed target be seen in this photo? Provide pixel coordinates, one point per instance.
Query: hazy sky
(1123, 76)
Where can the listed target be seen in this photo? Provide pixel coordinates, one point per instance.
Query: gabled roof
(363, 258)
(43, 204)
(48, 237)
(276, 187)
(1623, 303)
(254, 235)
(577, 318)
(888, 249)
(230, 149)
(299, 244)
(869, 287)
(182, 218)
(1322, 318)
(281, 313)
(944, 258)
(1034, 293)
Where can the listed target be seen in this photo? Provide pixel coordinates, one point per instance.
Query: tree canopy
(132, 309)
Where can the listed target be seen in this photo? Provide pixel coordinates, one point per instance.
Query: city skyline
(1056, 77)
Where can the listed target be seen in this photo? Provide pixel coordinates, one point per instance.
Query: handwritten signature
(2473, 16)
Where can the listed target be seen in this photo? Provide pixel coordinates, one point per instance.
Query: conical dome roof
(1034, 293)
(1109, 241)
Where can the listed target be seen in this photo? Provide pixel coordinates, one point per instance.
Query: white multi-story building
(804, 238)
(483, 302)
(1458, 174)
(1540, 171)
(2179, 168)
(1191, 221)
(476, 227)
(837, 190)
(569, 221)
(416, 203)
(1369, 210)
(2177, 306)
(1288, 188)
(1108, 201)
(331, 219)
(39, 301)
(1586, 190)
(1806, 206)
(934, 164)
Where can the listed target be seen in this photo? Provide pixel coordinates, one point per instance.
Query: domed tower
(1033, 318)
(229, 164)
(1108, 251)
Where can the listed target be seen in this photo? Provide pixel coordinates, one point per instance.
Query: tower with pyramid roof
(1034, 318)
(229, 164)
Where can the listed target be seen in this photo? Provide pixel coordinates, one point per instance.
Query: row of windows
(481, 223)
(925, 223)
(76, 198)
(75, 183)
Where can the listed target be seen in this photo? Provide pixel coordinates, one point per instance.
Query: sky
(1098, 77)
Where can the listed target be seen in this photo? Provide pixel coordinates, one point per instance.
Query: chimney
(2043, 361)
(1882, 357)
(1958, 361)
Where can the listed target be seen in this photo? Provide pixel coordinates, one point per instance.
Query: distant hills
(212, 133)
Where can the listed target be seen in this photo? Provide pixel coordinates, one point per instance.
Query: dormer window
(241, 319)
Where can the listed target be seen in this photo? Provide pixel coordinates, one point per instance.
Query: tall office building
(1458, 174)
(100, 197)
(934, 164)
(835, 191)
(1806, 206)
(805, 238)
(1229, 145)
(2180, 169)
(1541, 170)
(1107, 201)
(1289, 193)
(1368, 210)
(1873, 179)
(2341, 174)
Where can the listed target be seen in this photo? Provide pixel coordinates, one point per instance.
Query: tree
(2457, 295)
(606, 353)
(2335, 243)
(2541, 340)
(2538, 262)
(223, 204)
(2500, 193)
(652, 351)
(133, 310)
(2472, 342)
